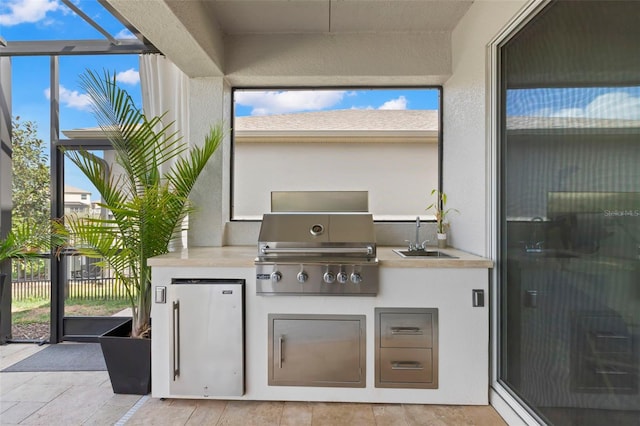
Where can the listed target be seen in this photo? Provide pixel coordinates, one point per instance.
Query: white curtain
(165, 89)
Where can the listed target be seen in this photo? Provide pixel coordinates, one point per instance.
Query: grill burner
(317, 254)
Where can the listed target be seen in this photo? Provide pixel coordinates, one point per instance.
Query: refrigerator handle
(176, 339)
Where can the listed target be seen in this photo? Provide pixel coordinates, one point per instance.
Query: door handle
(477, 298)
(280, 354)
(176, 339)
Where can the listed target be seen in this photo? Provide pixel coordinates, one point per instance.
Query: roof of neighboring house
(532, 122)
(352, 125)
(68, 189)
(387, 125)
(333, 125)
(350, 119)
(69, 204)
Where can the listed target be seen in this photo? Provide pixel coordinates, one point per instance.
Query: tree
(31, 179)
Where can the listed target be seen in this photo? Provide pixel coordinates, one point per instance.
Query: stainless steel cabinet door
(317, 350)
(207, 339)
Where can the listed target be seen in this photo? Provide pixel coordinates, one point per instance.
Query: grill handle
(309, 250)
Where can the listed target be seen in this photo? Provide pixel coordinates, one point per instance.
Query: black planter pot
(128, 360)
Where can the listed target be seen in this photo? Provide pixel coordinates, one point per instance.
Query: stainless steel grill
(317, 254)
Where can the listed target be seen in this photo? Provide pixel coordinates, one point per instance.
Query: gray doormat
(63, 357)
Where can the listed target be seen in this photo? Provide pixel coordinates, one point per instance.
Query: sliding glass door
(569, 278)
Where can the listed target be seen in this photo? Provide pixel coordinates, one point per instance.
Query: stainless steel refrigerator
(207, 341)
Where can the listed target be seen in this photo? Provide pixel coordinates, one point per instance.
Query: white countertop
(244, 256)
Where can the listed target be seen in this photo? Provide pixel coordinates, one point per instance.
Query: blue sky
(585, 102)
(29, 20)
(266, 102)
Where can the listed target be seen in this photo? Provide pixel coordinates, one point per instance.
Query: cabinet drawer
(406, 330)
(406, 365)
(406, 348)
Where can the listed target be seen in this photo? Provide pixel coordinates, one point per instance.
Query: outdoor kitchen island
(450, 295)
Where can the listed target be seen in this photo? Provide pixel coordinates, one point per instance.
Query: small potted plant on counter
(441, 212)
(147, 206)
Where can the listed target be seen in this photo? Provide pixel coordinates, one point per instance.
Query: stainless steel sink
(433, 254)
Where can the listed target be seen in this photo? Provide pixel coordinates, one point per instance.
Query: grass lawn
(38, 310)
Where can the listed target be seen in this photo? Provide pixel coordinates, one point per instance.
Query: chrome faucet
(417, 245)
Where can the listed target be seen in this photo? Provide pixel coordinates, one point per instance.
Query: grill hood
(317, 230)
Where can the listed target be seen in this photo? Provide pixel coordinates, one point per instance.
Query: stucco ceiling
(327, 16)
(195, 33)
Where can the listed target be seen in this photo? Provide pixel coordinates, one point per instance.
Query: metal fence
(102, 289)
(83, 280)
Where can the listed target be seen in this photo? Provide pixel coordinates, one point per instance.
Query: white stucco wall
(565, 162)
(465, 118)
(398, 176)
(209, 105)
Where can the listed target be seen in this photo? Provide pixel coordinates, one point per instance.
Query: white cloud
(72, 98)
(124, 34)
(129, 76)
(400, 103)
(16, 12)
(619, 105)
(272, 102)
(614, 105)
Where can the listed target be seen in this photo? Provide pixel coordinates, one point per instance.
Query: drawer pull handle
(406, 365)
(406, 330)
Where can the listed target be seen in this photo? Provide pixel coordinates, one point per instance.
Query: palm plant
(147, 206)
(26, 241)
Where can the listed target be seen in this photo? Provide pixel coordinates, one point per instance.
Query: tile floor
(86, 398)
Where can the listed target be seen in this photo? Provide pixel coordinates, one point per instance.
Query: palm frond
(187, 169)
(28, 240)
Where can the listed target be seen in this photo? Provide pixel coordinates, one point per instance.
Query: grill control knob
(356, 278)
(329, 277)
(342, 277)
(302, 277)
(276, 276)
